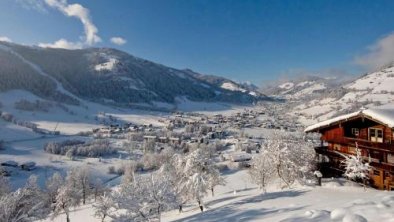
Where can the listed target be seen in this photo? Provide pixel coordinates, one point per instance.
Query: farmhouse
(372, 130)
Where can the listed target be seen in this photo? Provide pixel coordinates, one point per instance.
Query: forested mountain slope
(106, 75)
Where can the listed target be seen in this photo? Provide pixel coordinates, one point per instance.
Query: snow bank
(110, 65)
(232, 87)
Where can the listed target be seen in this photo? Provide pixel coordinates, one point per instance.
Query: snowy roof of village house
(385, 116)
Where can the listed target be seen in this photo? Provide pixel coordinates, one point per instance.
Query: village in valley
(236, 111)
(246, 151)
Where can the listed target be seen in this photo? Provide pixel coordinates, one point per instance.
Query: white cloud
(5, 39)
(63, 44)
(380, 54)
(118, 40)
(78, 11)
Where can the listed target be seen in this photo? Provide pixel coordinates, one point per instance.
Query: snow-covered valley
(95, 159)
(240, 199)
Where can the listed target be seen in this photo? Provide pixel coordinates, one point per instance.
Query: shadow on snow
(231, 212)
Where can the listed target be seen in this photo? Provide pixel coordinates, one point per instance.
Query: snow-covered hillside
(317, 100)
(302, 88)
(107, 76)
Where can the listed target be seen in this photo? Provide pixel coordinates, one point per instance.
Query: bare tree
(66, 198)
(262, 170)
(104, 207)
(52, 186)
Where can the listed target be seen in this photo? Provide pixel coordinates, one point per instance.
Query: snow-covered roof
(385, 116)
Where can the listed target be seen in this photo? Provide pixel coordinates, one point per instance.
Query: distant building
(150, 138)
(372, 130)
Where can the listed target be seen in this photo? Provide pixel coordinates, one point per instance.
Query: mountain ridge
(107, 75)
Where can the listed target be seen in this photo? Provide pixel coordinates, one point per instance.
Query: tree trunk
(102, 220)
(159, 213)
(180, 208)
(67, 217)
(212, 192)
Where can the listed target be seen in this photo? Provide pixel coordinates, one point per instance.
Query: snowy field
(240, 200)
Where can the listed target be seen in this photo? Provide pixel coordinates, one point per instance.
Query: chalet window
(355, 131)
(376, 135)
(390, 158)
(376, 172)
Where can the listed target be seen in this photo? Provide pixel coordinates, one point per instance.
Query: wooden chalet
(372, 130)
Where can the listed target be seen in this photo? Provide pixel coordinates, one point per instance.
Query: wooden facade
(374, 139)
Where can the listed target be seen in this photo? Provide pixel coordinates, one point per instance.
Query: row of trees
(71, 148)
(182, 179)
(291, 157)
(59, 195)
(38, 105)
(10, 118)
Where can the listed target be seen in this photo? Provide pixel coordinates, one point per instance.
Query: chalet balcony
(334, 154)
(366, 144)
(325, 151)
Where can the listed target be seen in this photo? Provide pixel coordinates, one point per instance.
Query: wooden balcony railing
(325, 151)
(362, 143)
(373, 161)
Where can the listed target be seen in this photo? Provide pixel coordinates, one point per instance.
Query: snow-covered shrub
(355, 167)
(111, 170)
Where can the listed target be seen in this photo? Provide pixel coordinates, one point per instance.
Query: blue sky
(242, 40)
